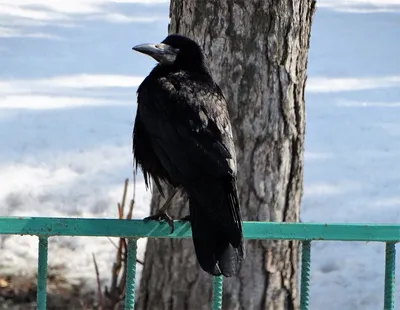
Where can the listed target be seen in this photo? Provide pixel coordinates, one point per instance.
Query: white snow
(321, 84)
(67, 101)
(352, 145)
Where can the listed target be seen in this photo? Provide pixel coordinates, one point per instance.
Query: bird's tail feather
(218, 242)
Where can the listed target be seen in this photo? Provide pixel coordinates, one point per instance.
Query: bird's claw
(162, 217)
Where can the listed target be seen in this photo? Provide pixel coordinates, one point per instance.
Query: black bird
(182, 135)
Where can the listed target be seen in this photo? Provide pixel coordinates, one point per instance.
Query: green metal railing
(134, 229)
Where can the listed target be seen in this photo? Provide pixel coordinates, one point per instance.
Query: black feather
(183, 136)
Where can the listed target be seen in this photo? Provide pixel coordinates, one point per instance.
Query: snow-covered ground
(67, 100)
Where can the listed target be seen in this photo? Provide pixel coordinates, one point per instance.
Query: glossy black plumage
(182, 135)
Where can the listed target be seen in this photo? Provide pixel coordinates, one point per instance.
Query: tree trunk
(257, 51)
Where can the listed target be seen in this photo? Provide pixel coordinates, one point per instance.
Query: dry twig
(116, 293)
(99, 291)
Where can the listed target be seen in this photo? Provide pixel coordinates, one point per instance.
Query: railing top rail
(45, 226)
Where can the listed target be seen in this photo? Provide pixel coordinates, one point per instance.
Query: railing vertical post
(390, 268)
(218, 284)
(42, 274)
(131, 275)
(305, 275)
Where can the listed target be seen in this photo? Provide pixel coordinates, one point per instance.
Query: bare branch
(99, 291)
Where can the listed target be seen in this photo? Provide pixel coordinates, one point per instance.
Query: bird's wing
(191, 133)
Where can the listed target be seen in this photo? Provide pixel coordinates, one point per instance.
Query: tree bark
(257, 51)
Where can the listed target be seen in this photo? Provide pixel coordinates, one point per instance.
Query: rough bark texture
(257, 51)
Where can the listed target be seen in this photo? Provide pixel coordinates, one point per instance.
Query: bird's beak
(161, 52)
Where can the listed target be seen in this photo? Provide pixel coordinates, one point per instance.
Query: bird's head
(176, 50)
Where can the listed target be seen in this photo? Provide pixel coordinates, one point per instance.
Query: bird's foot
(185, 218)
(162, 217)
